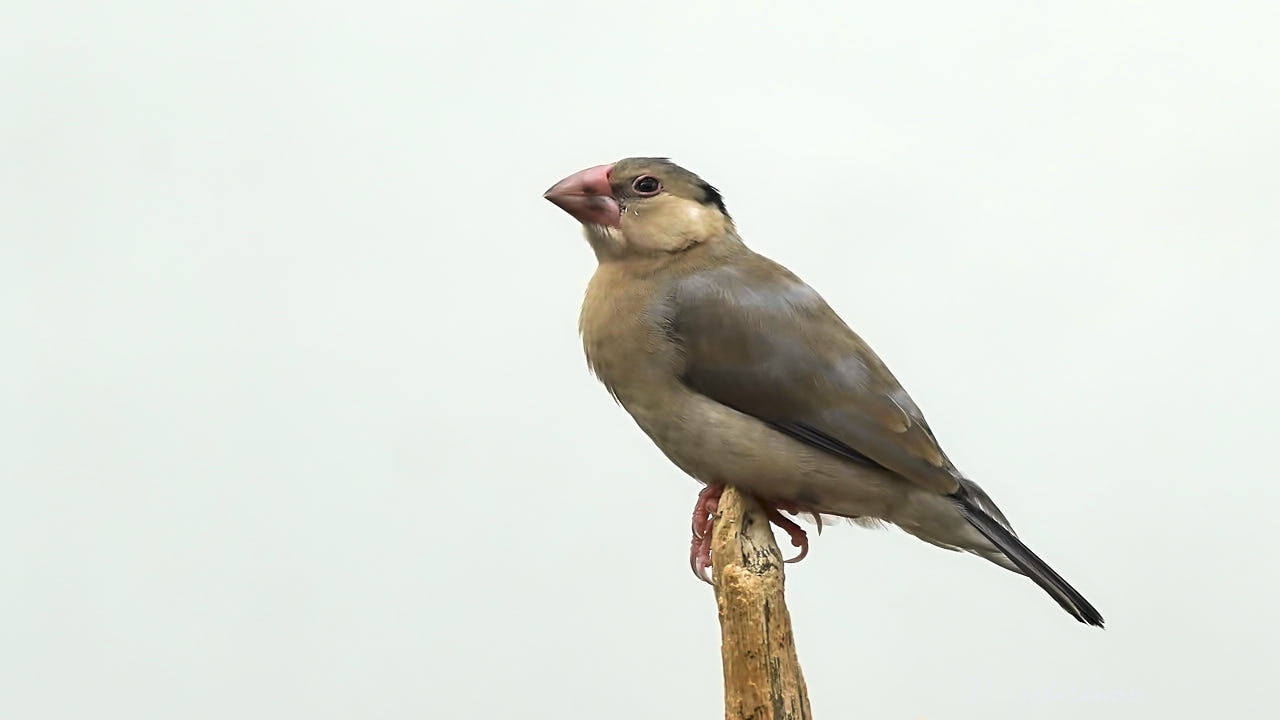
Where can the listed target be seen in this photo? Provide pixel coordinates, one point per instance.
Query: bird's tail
(1021, 556)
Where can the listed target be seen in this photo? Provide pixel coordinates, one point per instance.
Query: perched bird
(743, 375)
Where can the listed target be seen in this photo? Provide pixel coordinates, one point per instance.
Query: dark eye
(646, 185)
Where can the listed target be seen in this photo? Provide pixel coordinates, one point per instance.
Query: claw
(798, 537)
(700, 559)
(704, 513)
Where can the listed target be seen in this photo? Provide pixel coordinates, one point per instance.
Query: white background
(294, 419)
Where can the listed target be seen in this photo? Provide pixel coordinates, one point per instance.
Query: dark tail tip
(1029, 563)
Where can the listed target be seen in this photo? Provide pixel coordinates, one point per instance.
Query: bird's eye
(646, 185)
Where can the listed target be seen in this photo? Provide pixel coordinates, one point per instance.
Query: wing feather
(757, 339)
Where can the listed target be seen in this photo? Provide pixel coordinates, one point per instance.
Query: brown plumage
(743, 375)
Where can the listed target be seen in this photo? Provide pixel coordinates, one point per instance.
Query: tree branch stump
(762, 679)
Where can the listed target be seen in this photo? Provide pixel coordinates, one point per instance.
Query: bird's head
(642, 206)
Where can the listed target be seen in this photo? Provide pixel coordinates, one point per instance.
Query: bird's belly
(718, 445)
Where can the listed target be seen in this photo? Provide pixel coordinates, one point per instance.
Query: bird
(743, 375)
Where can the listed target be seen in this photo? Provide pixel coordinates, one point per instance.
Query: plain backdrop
(294, 418)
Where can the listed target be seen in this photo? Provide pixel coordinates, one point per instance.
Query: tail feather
(1028, 562)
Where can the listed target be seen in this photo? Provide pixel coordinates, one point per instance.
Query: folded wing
(757, 339)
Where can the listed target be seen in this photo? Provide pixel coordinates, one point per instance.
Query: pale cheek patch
(701, 221)
(670, 225)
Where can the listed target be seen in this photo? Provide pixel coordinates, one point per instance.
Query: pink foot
(704, 511)
(798, 536)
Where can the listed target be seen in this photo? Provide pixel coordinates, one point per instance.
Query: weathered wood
(762, 679)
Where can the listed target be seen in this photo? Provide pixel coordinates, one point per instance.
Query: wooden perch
(762, 679)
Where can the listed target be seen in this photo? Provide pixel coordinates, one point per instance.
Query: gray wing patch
(757, 339)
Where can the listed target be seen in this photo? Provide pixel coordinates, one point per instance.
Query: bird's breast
(625, 335)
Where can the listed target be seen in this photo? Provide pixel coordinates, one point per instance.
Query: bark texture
(762, 679)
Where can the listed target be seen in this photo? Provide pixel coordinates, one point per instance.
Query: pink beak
(587, 196)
